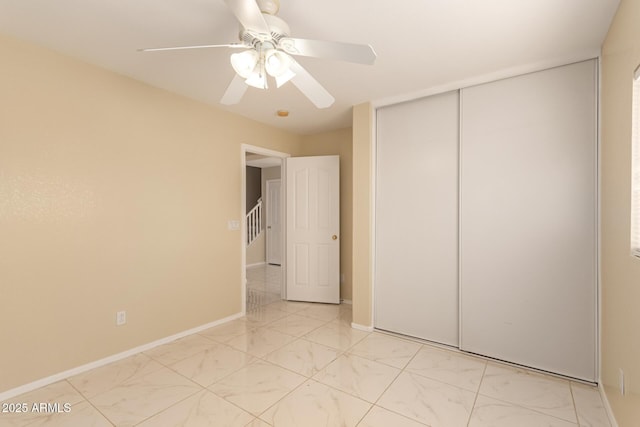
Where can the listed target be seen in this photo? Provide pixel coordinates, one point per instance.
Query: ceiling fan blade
(204, 46)
(310, 87)
(359, 53)
(249, 15)
(235, 91)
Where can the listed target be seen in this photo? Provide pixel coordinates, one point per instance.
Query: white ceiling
(421, 45)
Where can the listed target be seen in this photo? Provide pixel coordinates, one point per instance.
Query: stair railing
(254, 222)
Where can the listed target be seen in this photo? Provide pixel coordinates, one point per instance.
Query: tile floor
(300, 364)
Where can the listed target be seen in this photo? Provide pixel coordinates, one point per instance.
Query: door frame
(244, 149)
(268, 184)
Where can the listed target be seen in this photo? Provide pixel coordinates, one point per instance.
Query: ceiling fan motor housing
(277, 27)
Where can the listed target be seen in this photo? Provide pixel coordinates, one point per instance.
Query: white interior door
(313, 229)
(274, 222)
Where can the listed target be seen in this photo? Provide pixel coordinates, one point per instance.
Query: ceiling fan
(268, 50)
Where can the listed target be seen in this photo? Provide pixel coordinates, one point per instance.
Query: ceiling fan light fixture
(257, 79)
(244, 63)
(277, 62)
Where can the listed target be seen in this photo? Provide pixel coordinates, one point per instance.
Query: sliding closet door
(416, 276)
(528, 220)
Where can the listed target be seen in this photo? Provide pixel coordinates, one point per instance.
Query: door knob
(334, 237)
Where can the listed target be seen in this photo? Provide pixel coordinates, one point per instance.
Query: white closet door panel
(416, 277)
(528, 220)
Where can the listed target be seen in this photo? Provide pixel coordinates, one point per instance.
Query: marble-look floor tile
(257, 386)
(210, 365)
(264, 315)
(325, 312)
(257, 299)
(204, 409)
(260, 342)
(22, 412)
(494, 413)
(290, 306)
(346, 308)
(80, 415)
(380, 417)
(180, 349)
(304, 357)
(336, 335)
(61, 392)
(428, 401)
(296, 325)
(385, 349)
(360, 377)
(228, 331)
(542, 393)
(105, 378)
(314, 404)
(345, 317)
(138, 399)
(589, 406)
(448, 367)
(265, 271)
(257, 422)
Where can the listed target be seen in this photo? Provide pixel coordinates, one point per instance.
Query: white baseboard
(607, 406)
(257, 264)
(361, 327)
(114, 358)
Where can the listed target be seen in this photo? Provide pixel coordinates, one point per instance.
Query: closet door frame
(461, 87)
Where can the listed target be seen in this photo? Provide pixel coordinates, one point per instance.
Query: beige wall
(362, 257)
(332, 143)
(114, 195)
(620, 272)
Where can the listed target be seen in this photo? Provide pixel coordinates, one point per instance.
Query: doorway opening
(263, 263)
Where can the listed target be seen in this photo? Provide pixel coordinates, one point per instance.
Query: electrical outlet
(121, 318)
(621, 382)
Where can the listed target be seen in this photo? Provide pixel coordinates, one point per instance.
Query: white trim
(460, 100)
(373, 197)
(607, 406)
(244, 149)
(598, 230)
(634, 235)
(256, 265)
(110, 359)
(362, 327)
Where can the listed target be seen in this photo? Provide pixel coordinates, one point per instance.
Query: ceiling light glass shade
(285, 77)
(277, 62)
(257, 79)
(244, 62)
